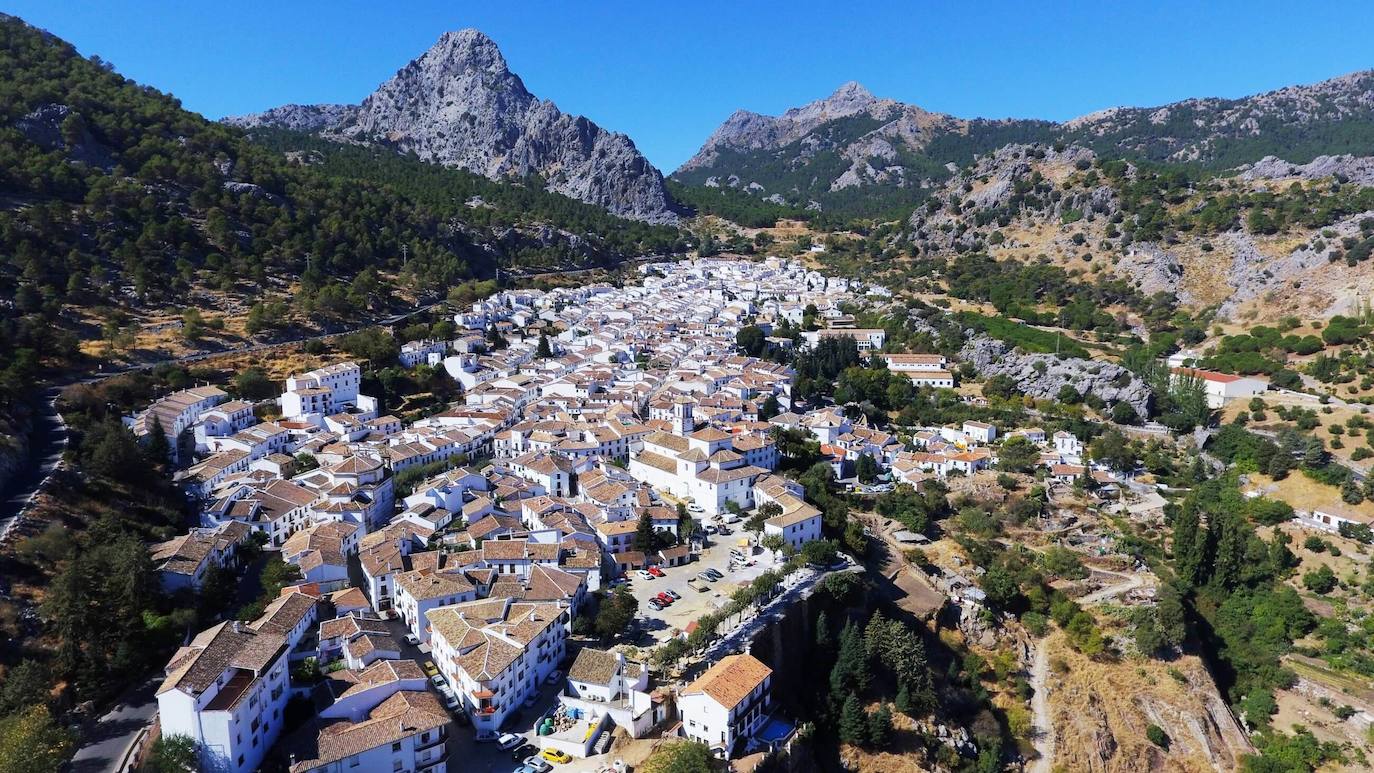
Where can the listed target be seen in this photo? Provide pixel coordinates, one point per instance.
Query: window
(396, 746)
(353, 762)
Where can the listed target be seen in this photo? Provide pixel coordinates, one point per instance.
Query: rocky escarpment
(1044, 375)
(1345, 168)
(459, 105)
(1334, 287)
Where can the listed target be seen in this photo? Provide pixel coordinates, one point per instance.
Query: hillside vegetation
(115, 202)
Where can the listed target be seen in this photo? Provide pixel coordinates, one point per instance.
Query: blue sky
(668, 73)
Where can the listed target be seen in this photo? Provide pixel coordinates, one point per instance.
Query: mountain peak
(852, 90)
(467, 49)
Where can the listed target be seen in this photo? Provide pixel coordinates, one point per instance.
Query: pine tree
(853, 722)
(645, 539)
(880, 727)
(904, 699)
(543, 351)
(850, 673)
(159, 448)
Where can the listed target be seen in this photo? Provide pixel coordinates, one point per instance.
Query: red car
(664, 599)
(655, 571)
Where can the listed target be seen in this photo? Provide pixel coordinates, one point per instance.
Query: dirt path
(1042, 728)
(1129, 583)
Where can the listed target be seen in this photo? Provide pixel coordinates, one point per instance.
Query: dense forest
(478, 201)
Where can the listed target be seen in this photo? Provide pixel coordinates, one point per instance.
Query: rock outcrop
(1356, 169)
(1044, 375)
(300, 118)
(459, 105)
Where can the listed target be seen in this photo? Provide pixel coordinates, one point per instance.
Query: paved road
(105, 745)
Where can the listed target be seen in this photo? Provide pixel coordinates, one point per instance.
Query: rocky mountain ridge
(459, 105)
(852, 142)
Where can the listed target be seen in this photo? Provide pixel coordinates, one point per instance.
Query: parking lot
(661, 624)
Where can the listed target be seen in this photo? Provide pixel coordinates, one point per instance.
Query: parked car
(655, 571)
(538, 764)
(556, 755)
(695, 508)
(617, 582)
(554, 678)
(523, 751)
(663, 599)
(716, 573)
(655, 605)
(509, 741)
(673, 593)
(706, 577)
(438, 680)
(644, 574)
(429, 668)
(412, 640)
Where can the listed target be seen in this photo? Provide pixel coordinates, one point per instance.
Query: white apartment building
(416, 592)
(407, 732)
(227, 690)
(177, 413)
(324, 391)
(496, 652)
(727, 702)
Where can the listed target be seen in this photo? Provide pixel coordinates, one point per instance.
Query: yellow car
(430, 669)
(555, 755)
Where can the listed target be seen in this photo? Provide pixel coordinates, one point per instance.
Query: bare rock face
(459, 105)
(1153, 269)
(1043, 375)
(1356, 169)
(992, 182)
(301, 118)
(56, 127)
